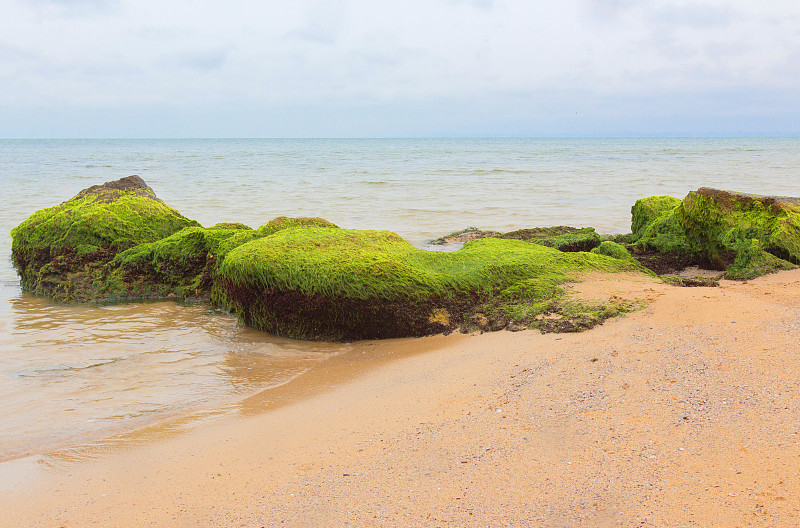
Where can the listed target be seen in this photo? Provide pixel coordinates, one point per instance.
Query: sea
(76, 375)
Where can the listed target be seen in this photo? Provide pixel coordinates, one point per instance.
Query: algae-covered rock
(656, 226)
(325, 283)
(58, 251)
(745, 234)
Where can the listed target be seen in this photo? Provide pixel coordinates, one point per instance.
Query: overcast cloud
(125, 68)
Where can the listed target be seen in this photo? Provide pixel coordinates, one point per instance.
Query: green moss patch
(325, 283)
(184, 264)
(655, 226)
(614, 250)
(563, 238)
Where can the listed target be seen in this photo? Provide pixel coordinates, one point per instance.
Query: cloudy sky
(392, 68)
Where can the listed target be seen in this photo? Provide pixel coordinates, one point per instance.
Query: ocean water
(75, 374)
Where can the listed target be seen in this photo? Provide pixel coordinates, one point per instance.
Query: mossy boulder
(339, 284)
(57, 251)
(746, 235)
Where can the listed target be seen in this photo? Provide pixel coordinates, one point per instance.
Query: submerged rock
(463, 236)
(59, 251)
(563, 238)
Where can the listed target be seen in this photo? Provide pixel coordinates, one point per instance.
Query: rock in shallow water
(59, 251)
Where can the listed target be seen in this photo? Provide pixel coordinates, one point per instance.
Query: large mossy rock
(59, 251)
(743, 235)
(328, 283)
(746, 235)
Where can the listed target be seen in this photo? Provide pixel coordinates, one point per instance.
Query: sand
(685, 413)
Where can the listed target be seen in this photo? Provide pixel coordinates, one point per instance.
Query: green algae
(563, 238)
(183, 265)
(344, 284)
(58, 251)
(179, 265)
(752, 261)
(614, 250)
(655, 225)
(576, 316)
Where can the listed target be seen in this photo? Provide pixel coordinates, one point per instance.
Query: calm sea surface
(75, 374)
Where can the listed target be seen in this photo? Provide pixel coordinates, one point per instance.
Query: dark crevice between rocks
(667, 263)
(669, 266)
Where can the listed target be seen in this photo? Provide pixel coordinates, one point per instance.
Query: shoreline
(359, 358)
(681, 414)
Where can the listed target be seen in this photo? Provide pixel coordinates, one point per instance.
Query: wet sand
(685, 413)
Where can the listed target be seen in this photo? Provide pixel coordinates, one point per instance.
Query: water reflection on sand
(93, 371)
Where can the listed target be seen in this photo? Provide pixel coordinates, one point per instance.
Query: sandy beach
(684, 413)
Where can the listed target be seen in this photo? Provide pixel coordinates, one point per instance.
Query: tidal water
(77, 374)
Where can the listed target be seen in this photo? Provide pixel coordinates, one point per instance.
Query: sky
(387, 68)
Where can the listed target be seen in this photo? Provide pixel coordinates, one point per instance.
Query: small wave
(45, 371)
(500, 171)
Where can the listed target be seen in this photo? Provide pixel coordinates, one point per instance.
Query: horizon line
(622, 136)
